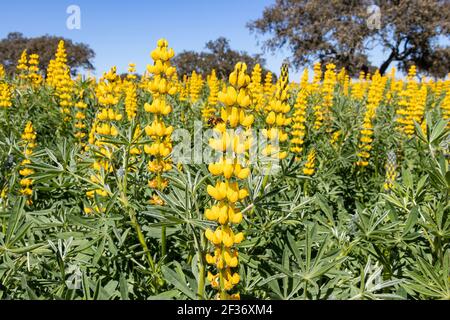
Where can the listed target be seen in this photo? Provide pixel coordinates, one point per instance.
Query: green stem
(264, 183)
(163, 241)
(202, 265)
(201, 280)
(131, 212)
(141, 238)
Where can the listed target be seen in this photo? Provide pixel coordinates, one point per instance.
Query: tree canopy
(79, 55)
(219, 56)
(409, 32)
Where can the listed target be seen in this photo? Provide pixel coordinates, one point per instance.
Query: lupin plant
(2, 72)
(29, 143)
(108, 92)
(346, 85)
(209, 108)
(80, 105)
(161, 86)
(33, 70)
(276, 118)
(88, 197)
(358, 87)
(22, 65)
(329, 82)
(310, 164)
(268, 84)
(317, 77)
(298, 131)
(445, 108)
(406, 104)
(391, 170)
(257, 88)
(195, 86)
(374, 99)
(230, 168)
(183, 88)
(130, 88)
(58, 77)
(6, 93)
(28, 69)
(315, 89)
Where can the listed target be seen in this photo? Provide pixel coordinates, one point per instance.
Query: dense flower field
(171, 186)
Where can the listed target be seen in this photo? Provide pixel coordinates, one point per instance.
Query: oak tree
(79, 55)
(344, 32)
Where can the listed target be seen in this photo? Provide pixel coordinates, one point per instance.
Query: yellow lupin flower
(391, 173)
(357, 91)
(329, 82)
(310, 164)
(257, 88)
(108, 92)
(411, 104)
(161, 86)
(58, 77)
(80, 115)
(6, 93)
(445, 108)
(298, 131)
(374, 98)
(130, 98)
(2, 72)
(276, 117)
(22, 65)
(209, 107)
(195, 86)
(315, 89)
(268, 84)
(29, 142)
(229, 169)
(33, 70)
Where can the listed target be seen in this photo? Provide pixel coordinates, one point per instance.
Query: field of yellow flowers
(171, 186)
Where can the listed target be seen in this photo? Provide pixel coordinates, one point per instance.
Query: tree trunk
(388, 61)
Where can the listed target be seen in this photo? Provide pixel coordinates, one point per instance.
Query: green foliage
(335, 235)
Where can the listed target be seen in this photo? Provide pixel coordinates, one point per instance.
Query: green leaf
(174, 279)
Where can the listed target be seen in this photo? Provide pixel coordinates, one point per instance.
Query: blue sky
(126, 31)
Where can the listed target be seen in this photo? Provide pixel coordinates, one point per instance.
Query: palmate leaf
(178, 280)
(300, 268)
(430, 281)
(321, 237)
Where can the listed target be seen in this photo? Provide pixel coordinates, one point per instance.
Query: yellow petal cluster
(195, 86)
(58, 77)
(161, 85)
(209, 107)
(298, 131)
(374, 98)
(2, 72)
(80, 111)
(445, 108)
(6, 93)
(309, 167)
(229, 170)
(411, 104)
(29, 142)
(391, 173)
(130, 90)
(276, 117)
(256, 88)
